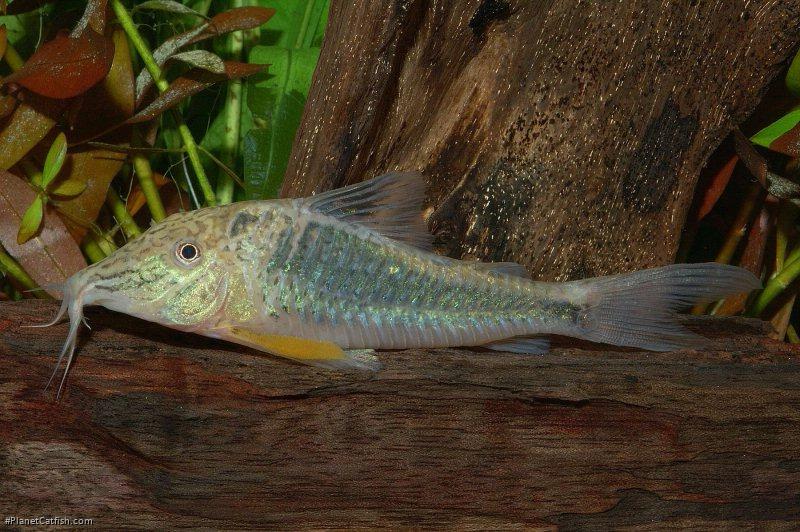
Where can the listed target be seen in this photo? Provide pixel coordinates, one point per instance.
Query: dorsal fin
(390, 204)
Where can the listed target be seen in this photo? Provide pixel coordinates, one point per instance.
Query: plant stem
(203, 7)
(775, 286)
(792, 256)
(14, 270)
(252, 36)
(739, 226)
(787, 214)
(791, 334)
(152, 67)
(92, 250)
(12, 57)
(737, 230)
(129, 26)
(194, 159)
(233, 117)
(124, 218)
(103, 241)
(301, 35)
(8, 287)
(144, 173)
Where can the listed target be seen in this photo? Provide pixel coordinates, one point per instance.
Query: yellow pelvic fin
(299, 349)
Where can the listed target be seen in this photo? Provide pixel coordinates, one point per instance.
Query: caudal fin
(638, 309)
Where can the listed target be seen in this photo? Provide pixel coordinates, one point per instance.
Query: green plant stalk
(103, 241)
(124, 218)
(144, 174)
(775, 287)
(792, 256)
(106, 244)
(194, 158)
(12, 293)
(233, 117)
(739, 226)
(230, 142)
(791, 334)
(737, 230)
(92, 250)
(301, 35)
(14, 270)
(785, 220)
(139, 44)
(252, 36)
(152, 67)
(780, 321)
(13, 59)
(203, 7)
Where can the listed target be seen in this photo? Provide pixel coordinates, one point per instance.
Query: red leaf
(753, 160)
(7, 105)
(94, 17)
(66, 66)
(242, 18)
(108, 102)
(189, 84)
(26, 126)
(49, 258)
(97, 169)
(3, 40)
(788, 143)
(710, 191)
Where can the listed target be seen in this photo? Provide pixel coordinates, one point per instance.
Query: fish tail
(638, 309)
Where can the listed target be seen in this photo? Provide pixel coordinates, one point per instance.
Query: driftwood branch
(567, 136)
(159, 428)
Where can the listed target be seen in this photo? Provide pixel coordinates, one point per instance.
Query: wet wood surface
(567, 136)
(158, 429)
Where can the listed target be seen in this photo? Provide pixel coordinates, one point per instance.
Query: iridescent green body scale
(327, 279)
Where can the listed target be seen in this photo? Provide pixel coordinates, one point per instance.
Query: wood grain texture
(161, 429)
(567, 136)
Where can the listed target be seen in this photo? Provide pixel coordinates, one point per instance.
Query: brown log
(158, 428)
(567, 136)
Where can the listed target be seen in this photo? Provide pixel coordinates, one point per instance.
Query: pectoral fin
(312, 352)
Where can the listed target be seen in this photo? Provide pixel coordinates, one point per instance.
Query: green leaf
(297, 24)
(202, 59)
(69, 188)
(793, 76)
(169, 6)
(766, 136)
(54, 160)
(277, 106)
(23, 31)
(31, 221)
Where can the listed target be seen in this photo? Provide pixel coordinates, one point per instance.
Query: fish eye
(187, 252)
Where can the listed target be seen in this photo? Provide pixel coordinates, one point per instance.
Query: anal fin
(525, 345)
(363, 359)
(318, 353)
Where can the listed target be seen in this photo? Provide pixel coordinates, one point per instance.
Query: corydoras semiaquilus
(327, 279)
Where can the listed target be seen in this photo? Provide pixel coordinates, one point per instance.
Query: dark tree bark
(567, 136)
(158, 428)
